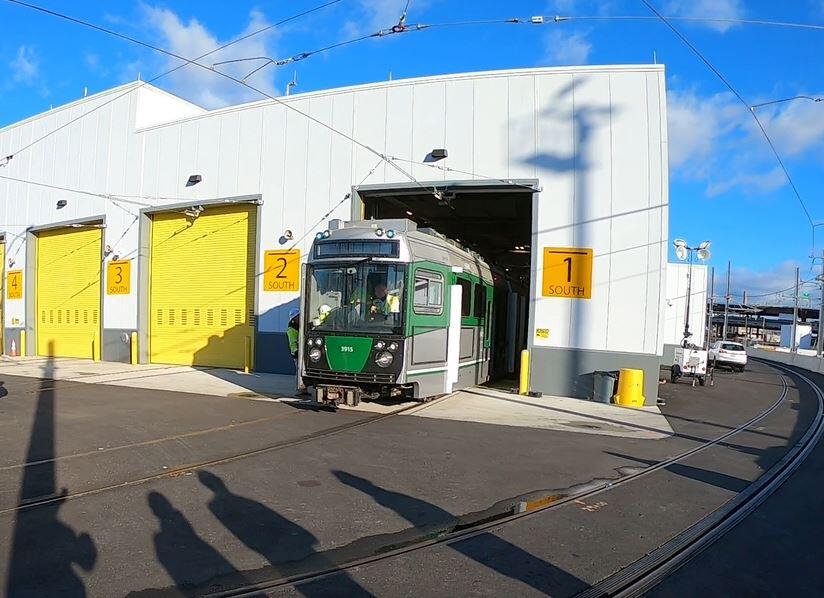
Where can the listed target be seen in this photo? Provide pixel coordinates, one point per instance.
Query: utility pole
(793, 343)
(819, 342)
(727, 303)
(710, 306)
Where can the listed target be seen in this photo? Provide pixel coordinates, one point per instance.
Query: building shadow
(189, 560)
(44, 550)
(486, 549)
(271, 535)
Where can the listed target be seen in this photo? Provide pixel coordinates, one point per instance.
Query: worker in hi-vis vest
(293, 336)
(382, 303)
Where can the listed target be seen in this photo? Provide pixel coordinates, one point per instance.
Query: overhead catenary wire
(540, 20)
(5, 160)
(402, 27)
(741, 99)
(278, 101)
(799, 97)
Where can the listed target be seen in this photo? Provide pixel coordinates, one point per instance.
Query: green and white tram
(393, 310)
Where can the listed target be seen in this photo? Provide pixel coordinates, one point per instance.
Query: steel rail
(182, 469)
(647, 572)
(461, 533)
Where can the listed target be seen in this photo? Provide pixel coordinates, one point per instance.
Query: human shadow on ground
(486, 549)
(187, 558)
(44, 549)
(272, 535)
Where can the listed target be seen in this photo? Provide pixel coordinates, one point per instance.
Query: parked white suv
(731, 355)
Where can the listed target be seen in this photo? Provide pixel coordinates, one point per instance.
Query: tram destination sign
(567, 272)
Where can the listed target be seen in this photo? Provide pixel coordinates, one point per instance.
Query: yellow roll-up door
(202, 286)
(68, 291)
(2, 295)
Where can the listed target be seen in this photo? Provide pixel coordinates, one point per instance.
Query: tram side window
(428, 297)
(466, 297)
(480, 301)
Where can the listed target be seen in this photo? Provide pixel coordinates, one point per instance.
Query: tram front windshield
(358, 297)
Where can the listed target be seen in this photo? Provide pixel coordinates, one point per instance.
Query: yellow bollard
(247, 355)
(22, 351)
(133, 348)
(523, 385)
(630, 388)
(96, 347)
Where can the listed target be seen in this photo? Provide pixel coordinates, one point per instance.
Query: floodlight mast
(682, 252)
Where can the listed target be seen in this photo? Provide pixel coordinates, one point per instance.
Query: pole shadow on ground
(486, 549)
(44, 549)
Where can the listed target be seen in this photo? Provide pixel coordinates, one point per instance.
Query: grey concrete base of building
(9, 335)
(272, 353)
(116, 345)
(569, 372)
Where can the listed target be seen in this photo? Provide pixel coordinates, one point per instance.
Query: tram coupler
(338, 395)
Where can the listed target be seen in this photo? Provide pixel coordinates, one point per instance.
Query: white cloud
(192, 39)
(25, 68)
(714, 139)
(795, 127)
(565, 47)
(696, 127)
(761, 285)
(716, 9)
(755, 183)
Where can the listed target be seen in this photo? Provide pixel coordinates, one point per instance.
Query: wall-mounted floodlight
(194, 180)
(193, 212)
(61, 203)
(439, 153)
(287, 234)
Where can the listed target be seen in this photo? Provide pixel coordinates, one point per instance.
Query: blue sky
(725, 185)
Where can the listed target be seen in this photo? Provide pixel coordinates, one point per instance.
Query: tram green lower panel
(347, 353)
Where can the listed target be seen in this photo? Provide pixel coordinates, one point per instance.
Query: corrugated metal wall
(595, 138)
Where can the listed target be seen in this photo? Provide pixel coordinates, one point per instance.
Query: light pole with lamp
(684, 252)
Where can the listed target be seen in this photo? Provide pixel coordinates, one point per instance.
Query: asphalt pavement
(776, 551)
(345, 495)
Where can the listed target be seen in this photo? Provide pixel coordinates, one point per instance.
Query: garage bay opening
(494, 221)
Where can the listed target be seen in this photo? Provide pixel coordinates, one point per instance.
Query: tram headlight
(315, 353)
(390, 234)
(379, 232)
(384, 359)
(380, 345)
(393, 346)
(318, 342)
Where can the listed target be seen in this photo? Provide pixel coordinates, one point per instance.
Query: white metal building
(198, 198)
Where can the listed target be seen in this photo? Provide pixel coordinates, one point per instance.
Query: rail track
(641, 575)
(182, 469)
